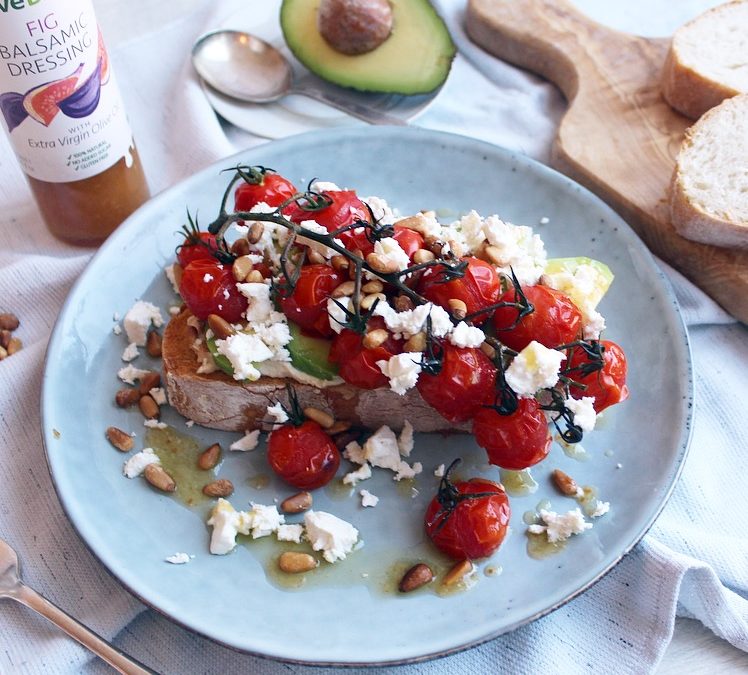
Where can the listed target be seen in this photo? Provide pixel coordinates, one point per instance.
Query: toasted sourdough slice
(708, 60)
(218, 401)
(709, 190)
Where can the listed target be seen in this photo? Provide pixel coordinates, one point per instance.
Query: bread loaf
(709, 190)
(218, 401)
(708, 60)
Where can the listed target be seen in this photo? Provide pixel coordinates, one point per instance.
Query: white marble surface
(694, 649)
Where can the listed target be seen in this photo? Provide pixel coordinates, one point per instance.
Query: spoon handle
(360, 111)
(76, 630)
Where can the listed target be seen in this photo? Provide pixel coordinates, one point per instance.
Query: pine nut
(9, 321)
(220, 327)
(242, 267)
(256, 230)
(381, 264)
(14, 345)
(412, 223)
(209, 458)
(178, 271)
(124, 398)
(293, 562)
(3, 353)
(403, 303)
(369, 300)
(315, 257)
(219, 488)
(457, 573)
(456, 248)
(457, 308)
(423, 255)
(373, 339)
(375, 286)
(493, 255)
(151, 380)
(324, 419)
(344, 290)
(119, 439)
(5, 337)
(415, 343)
(157, 476)
(565, 483)
(301, 501)
(339, 263)
(339, 427)
(255, 277)
(417, 576)
(240, 247)
(153, 344)
(488, 350)
(149, 407)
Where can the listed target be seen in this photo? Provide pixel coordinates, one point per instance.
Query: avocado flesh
(414, 59)
(603, 276)
(310, 354)
(220, 360)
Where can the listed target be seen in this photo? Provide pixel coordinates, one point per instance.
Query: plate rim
(676, 320)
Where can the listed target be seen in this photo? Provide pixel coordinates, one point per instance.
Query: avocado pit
(354, 26)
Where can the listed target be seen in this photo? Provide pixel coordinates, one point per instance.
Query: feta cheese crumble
(290, 532)
(244, 350)
(355, 453)
(391, 252)
(402, 370)
(155, 424)
(329, 534)
(535, 367)
(227, 523)
(440, 470)
(355, 477)
(463, 335)
(207, 278)
(368, 499)
(247, 442)
(134, 466)
(277, 414)
(560, 526)
(158, 394)
(179, 558)
(381, 449)
(139, 319)
(131, 352)
(130, 373)
(172, 277)
(405, 440)
(583, 411)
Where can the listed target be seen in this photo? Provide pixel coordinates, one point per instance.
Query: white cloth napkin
(693, 563)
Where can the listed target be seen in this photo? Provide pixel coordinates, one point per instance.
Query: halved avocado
(310, 354)
(414, 59)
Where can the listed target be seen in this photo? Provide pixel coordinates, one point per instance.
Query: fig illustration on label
(66, 95)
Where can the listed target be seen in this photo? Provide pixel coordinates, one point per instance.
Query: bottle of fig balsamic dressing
(63, 112)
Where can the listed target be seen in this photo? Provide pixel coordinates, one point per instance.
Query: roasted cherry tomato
(468, 519)
(270, 187)
(357, 365)
(209, 287)
(346, 209)
(304, 456)
(410, 241)
(307, 305)
(464, 382)
(603, 374)
(478, 288)
(554, 321)
(513, 441)
(197, 246)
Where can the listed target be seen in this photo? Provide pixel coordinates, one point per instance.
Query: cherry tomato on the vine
(554, 321)
(304, 456)
(606, 385)
(209, 287)
(307, 305)
(477, 288)
(357, 365)
(514, 441)
(410, 240)
(271, 188)
(346, 209)
(470, 521)
(198, 246)
(464, 382)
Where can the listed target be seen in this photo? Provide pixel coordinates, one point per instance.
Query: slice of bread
(708, 60)
(709, 190)
(218, 401)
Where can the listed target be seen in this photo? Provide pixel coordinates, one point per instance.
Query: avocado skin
(415, 59)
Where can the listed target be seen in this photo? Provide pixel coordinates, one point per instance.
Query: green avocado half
(414, 59)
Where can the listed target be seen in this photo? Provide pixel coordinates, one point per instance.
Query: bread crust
(218, 401)
(687, 90)
(688, 218)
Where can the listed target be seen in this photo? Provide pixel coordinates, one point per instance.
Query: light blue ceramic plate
(345, 617)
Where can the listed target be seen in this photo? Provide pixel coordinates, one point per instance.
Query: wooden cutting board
(618, 137)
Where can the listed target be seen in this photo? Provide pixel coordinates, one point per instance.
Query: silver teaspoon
(12, 587)
(246, 68)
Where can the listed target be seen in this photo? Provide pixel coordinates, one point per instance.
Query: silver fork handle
(360, 111)
(76, 630)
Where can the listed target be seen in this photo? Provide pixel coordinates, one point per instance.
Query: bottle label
(58, 96)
